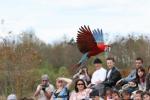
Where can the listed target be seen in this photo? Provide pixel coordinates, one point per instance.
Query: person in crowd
(94, 95)
(115, 95)
(99, 74)
(26, 98)
(146, 96)
(141, 79)
(139, 83)
(12, 97)
(81, 91)
(148, 80)
(113, 74)
(132, 74)
(62, 89)
(138, 95)
(108, 94)
(83, 74)
(126, 95)
(45, 89)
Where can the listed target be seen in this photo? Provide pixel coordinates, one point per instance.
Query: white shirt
(98, 75)
(42, 96)
(108, 75)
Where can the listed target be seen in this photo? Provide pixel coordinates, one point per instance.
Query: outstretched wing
(85, 40)
(98, 35)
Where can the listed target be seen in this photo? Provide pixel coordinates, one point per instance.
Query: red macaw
(90, 43)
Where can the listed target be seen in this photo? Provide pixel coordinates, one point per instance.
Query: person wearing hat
(45, 89)
(99, 74)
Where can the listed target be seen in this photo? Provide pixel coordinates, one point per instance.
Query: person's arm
(86, 75)
(67, 80)
(110, 82)
(37, 92)
(130, 77)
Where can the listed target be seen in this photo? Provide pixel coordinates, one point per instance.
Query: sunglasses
(44, 80)
(80, 84)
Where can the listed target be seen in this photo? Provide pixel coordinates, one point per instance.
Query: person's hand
(39, 88)
(80, 71)
(89, 86)
(132, 84)
(84, 69)
(118, 82)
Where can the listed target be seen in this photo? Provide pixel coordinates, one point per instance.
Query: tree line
(23, 61)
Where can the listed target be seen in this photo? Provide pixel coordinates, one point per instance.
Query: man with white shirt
(99, 74)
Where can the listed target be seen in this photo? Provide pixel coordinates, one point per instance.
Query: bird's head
(103, 47)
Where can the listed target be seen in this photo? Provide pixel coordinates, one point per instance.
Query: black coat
(113, 78)
(148, 82)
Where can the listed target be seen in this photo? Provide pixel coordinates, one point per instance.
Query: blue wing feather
(98, 35)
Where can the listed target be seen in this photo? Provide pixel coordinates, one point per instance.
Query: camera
(44, 87)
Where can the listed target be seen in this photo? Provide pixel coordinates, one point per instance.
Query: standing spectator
(83, 74)
(148, 80)
(132, 75)
(62, 89)
(45, 89)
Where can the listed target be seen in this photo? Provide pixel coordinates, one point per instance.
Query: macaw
(90, 43)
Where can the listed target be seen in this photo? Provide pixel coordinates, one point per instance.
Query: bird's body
(90, 43)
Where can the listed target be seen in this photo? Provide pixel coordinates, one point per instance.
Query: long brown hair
(144, 74)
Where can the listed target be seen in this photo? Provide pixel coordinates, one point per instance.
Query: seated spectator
(108, 94)
(82, 74)
(141, 79)
(62, 89)
(132, 75)
(99, 74)
(138, 95)
(146, 96)
(45, 89)
(26, 98)
(139, 83)
(113, 74)
(12, 97)
(81, 91)
(126, 95)
(94, 95)
(115, 95)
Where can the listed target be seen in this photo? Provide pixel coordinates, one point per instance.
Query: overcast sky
(51, 19)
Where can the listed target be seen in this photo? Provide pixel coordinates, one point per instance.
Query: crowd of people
(104, 84)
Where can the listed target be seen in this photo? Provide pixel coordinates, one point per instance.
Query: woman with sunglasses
(81, 91)
(62, 86)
